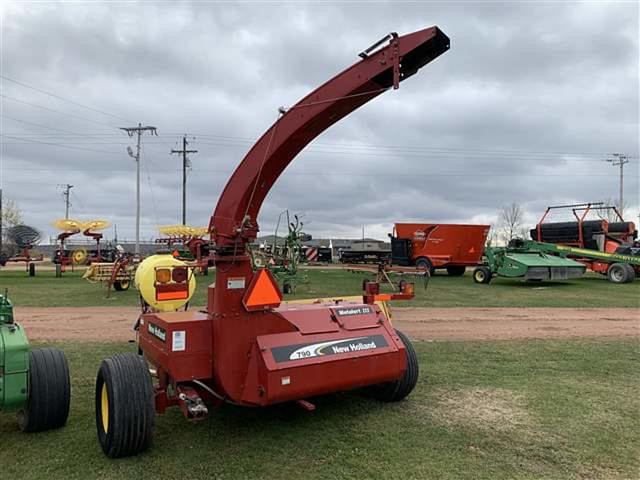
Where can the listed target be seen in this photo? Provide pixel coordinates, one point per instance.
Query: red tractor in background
(430, 246)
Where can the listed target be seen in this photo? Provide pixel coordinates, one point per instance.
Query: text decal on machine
(158, 332)
(334, 347)
(348, 311)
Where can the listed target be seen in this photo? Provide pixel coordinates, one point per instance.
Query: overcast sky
(525, 107)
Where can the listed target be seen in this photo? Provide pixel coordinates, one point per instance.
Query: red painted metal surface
(179, 342)
(240, 202)
(445, 244)
(291, 352)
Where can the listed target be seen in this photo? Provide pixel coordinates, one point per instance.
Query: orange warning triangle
(263, 291)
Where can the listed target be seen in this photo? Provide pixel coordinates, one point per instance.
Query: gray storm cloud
(525, 107)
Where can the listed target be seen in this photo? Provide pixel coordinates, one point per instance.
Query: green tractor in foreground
(33, 382)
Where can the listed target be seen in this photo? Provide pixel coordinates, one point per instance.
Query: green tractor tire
(49, 391)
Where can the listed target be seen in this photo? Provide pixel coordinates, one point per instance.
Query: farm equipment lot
(510, 387)
(510, 409)
(44, 290)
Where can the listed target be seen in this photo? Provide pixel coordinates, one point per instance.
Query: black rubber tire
(32, 269)
(130, 405)
(618, 273)
(456, 270)
(399, 389)
(49, 391)
(121, 285)
(286, 288)
(425, 264)
(482, 275)
(58, 270)
(631, 271)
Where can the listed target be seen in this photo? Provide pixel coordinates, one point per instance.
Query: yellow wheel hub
(104, 408)
(79, 256)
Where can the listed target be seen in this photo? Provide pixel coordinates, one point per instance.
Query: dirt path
(513, 323)
(115, 323)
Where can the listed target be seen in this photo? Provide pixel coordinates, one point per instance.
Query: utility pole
(1, 219)
(185, 164)
(67, 203)
(139, 130)
(620, 160)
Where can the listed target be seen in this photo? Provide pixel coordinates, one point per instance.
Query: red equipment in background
(438, 245)
(187, 243)
(95, 256)
(249, 349)
(584, 233)
(600, 234)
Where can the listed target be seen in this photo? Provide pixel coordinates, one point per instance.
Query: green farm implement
(33, 382)
(530, 260)
(522, 260)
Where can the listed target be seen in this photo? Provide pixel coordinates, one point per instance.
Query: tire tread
(131, 405)
(49, 391)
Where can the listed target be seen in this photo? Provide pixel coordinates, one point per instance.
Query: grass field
(443, 291)
(482, 410)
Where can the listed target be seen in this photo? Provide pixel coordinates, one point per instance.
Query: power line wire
(62, 98)
(350, 148)
(68, 132)
(56, 111)
(33, 124)
(337, 173)
(153, 197)
(238, 141)
(363, 154)
(405, 147)
(65, 146)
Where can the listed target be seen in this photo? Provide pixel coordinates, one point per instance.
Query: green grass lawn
(590, 291)
(481, 410)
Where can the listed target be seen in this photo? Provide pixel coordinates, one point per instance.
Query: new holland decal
(334, 347)
(158, 332)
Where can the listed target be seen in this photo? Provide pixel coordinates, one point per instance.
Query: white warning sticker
(285, 380)
(235, 283)
(179, 343)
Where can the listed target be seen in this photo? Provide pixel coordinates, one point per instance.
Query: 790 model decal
(334, 347)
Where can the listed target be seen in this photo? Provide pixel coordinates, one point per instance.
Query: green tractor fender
(14, 366)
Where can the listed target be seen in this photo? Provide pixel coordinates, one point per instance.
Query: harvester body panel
(325, 347)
